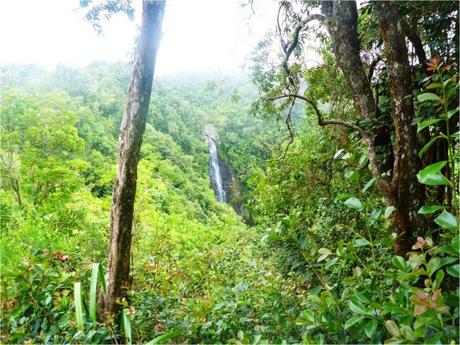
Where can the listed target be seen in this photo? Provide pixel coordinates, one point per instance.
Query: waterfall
(215, 173)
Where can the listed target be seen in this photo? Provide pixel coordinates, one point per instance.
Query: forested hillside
(341, 222)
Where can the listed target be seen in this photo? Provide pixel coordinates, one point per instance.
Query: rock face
(223, 183)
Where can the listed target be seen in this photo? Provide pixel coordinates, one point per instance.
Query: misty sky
(198, 34)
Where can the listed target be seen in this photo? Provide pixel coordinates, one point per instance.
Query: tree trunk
(402, 190)
(342, 27)
(130, 140)
(409, 193)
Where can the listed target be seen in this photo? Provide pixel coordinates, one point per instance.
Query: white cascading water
(216, 176)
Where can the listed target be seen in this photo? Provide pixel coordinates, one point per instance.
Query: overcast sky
(198, 34)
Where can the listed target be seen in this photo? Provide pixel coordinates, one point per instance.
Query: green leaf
(361, 242)
(342, 196)
(353, 320)
(370, 328)
(433, 265)
(389, 211)
(354, 203)
(324, 254)
(426, 123)
(448, 260)
(78, 305)
(392, 327)
(452, 112)
(164, 337)
(428, 209)
(126, 325)
(432, 86)
(456, 242)
(446, 220)
(438, 280)
(433, 168)
(308, 315)
(356, 308)
(400, 263)
(431, 176)
(369, 184)
(433, 180)
(93, 292)
(428, 145)
(428, 96)
(331, 262)
(454, 270)
(362, 297)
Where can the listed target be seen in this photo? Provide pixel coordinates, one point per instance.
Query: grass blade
(165, 336)
(126, 324)
(78, 305)
(93, 292)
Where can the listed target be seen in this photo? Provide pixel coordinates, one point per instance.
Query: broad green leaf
(93, 292)
(389, 211)
(454, 270)
(78, 305)
(353, 320)
(343, 196)
(370, 328)
(392, 327)
(324, 254)
(308, 315)
(432, 86)
(433, 179)
(438, 280)
(448, 260)
(354, 203)
(428, 145)
(446, 220)
(400, 263)
(369, 184)
(126, 325)
(452, 112)
(433, 168)
(433, 265)
(361, 242)
(428, 96)
(407, 332)
(356, 308)
(428, 209)
(430, 175)
(426, 123)
(456, 242)
(331, 262)
(362, 297)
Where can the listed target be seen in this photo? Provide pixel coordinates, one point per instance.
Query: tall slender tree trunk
(130, 140)
(402, 189)
(408, 192)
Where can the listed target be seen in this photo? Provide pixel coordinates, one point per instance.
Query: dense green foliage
(311, 260)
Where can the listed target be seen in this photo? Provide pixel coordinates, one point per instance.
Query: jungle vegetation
(342, 220)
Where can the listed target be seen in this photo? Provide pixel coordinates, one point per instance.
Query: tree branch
(321, 121)
(413, 36)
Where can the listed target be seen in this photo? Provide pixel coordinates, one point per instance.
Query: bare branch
(321, 121)
(413, 36)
